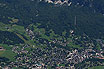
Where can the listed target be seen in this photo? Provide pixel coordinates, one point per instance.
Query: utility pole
(75, 20)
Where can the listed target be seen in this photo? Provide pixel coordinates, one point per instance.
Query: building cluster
(55, 57)
(61, 2)
(30, 33)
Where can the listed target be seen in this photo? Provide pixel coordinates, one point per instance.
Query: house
(2, 49)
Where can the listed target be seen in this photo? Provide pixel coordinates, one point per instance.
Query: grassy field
(72, 45)
(12, 28)
(97, 67)
(7, 52)
(1, 52)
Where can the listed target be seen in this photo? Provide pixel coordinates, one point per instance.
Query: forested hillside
(88, 19)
